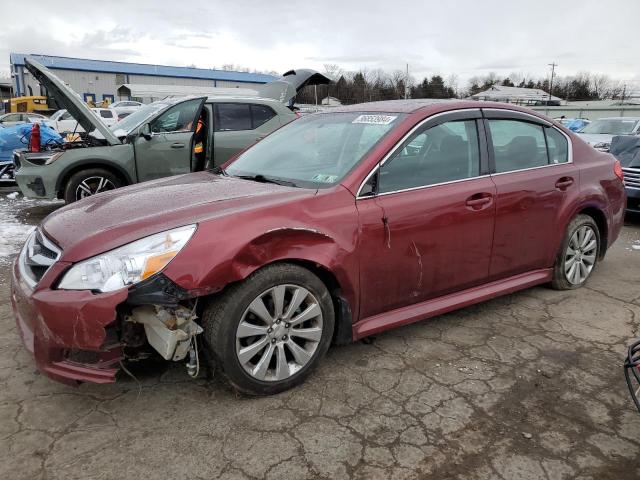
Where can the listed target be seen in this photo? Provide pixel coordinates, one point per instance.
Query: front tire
(578, 255)
(270, 331)
(86, 183)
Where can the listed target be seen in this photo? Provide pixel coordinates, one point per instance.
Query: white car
(125, 107)
(63, 122)
(10, 119)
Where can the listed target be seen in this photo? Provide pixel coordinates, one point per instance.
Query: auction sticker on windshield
(375, 119)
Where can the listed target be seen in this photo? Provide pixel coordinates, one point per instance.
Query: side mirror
(145, 131)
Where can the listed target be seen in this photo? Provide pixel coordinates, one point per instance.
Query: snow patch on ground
(13, 232)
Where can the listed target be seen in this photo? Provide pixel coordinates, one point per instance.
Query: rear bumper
(61, 328)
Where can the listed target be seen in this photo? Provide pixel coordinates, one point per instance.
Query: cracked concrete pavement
(527, 386)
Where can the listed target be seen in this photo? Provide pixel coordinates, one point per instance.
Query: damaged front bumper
(81, 336)
(68, 331)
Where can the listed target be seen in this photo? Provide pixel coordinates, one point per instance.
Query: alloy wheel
(92, 185)
(580, 256)
(279, 332)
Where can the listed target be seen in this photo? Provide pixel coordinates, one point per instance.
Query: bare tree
(600, 84)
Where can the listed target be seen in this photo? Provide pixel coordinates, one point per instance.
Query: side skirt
(453, 301)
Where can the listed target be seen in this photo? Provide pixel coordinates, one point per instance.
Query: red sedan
(338, 226)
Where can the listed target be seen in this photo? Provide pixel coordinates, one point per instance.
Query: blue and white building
(98, 80)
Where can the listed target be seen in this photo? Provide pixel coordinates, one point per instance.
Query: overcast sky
(464, 37)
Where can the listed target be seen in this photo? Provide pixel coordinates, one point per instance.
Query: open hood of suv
(69, 100)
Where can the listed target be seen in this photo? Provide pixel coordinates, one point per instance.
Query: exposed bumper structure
(67, 331)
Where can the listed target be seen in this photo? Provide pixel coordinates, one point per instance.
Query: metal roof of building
(67, 63)
(500, 92)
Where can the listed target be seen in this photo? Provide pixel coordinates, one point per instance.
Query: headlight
(128, 264)
(602, 146)
(43, 158)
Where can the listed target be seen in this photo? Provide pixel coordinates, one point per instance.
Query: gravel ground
(528, 386)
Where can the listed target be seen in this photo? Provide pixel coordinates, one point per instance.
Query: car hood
(594, 138)
(103, 222)
(69, 100)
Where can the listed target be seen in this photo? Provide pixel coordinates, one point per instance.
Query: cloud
(464, 37)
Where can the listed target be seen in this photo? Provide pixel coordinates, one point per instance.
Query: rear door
(427, 221)
(239, 125)
(169, 149)
(535, 180)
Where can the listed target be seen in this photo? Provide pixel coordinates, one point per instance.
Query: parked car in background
(9, 119)
(125, 107)
(63, 122)
(169, 137)
(328, 230)
(600, 132)
(626, 149)
(574, 124)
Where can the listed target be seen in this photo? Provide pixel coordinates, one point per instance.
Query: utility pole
(624, 91)
(553, 66)
(406, 84)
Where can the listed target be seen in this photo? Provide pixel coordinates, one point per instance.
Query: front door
(535, 181)
(169, 148)
(427, 228)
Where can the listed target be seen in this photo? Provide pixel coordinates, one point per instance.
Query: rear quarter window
(558, 146)
(261, 114)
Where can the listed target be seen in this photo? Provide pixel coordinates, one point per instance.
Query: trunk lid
(287, 87)
(69, 100)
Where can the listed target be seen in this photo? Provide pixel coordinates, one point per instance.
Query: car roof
(427, 105)
(231, 98)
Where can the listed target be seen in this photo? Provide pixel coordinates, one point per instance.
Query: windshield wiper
(262, 179)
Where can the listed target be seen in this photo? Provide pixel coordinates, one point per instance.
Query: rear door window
(232, 117)
(517, 145)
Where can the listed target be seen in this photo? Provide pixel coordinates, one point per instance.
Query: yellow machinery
(26, 104)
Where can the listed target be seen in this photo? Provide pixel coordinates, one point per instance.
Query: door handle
(479, 201)
(564, 183)
(177, 145)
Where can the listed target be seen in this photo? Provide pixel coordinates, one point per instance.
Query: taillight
(617, 169)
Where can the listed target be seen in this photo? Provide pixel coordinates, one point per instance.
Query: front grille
(631, 177)
(38, 254)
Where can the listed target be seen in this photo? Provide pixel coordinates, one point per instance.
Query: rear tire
(270, 331)
(89, 182)
(578, 254)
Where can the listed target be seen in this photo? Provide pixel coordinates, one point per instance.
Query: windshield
(132, 121)
(610, 126)
(317, 150)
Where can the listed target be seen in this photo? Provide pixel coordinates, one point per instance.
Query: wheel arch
(114, 168)
(600, 218)
(311, 249)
